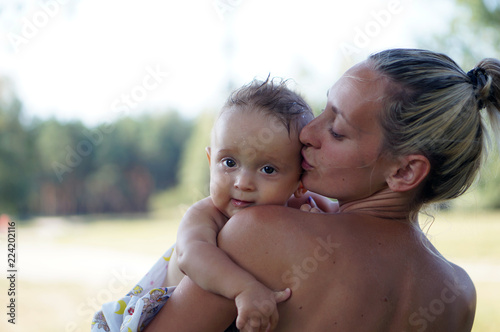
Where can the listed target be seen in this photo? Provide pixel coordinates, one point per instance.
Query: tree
(194, 173)
(473, 35)
(16, 164)
(63, 157)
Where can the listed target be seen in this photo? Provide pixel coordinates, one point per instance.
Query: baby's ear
(208, 151)
(301, 190)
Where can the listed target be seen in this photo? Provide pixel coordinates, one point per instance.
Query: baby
(255, 159)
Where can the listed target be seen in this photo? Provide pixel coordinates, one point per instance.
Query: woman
(400, 130)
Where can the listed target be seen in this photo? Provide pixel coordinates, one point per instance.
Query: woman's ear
(301, 190)
(208, 151)
(408, 173)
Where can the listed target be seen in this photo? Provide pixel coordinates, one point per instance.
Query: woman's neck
(385, 204)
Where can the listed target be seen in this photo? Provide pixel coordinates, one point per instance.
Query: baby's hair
(274, 98)
(434, 108)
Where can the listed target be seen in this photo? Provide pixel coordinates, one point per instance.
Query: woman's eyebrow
(337, 111)
(340, 114)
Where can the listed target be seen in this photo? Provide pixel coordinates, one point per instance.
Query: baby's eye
(229, 162)
(268, 169)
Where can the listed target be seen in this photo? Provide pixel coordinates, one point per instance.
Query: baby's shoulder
(205, 211)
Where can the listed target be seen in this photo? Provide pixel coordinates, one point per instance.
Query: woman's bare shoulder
(459, 294)
(261, 225)
(268, 216)
(266, 240)
(268, 224)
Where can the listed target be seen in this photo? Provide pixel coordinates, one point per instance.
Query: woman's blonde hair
(434, 108)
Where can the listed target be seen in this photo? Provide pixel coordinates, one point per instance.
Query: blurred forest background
(96, 205)
(134, 165)
(53, 168)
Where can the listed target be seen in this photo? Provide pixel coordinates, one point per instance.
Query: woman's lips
(239, 203)
(305, 165)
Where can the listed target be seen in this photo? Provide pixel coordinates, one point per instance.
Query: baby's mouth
(240, 203)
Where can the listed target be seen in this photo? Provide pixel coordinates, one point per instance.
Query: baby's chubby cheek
(219, 182)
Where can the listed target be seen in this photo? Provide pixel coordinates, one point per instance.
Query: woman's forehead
(362, 74)
(357, 97)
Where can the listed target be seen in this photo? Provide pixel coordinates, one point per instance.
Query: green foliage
(483, 13)
(16, 164)
(472, 36)
(195, 171)
(53, 168)
(194, 174)
(473, 33)
(485, 193)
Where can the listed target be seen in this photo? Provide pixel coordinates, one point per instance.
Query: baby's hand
(311, 206)
(257, 308)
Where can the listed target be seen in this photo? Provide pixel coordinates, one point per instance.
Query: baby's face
(253, 161)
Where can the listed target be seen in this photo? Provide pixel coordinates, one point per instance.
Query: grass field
(68, 267)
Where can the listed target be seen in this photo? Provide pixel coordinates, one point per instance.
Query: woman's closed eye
(336, 135)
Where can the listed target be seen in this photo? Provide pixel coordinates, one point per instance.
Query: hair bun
(478, 77)
(481, 85)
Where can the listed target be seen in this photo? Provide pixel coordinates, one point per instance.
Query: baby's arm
(174, 275)
(208, 266)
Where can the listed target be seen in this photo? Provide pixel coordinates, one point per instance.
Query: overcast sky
(94, 60)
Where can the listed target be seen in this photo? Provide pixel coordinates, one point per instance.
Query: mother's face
(342, 145)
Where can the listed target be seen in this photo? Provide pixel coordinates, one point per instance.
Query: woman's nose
(308, 134)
